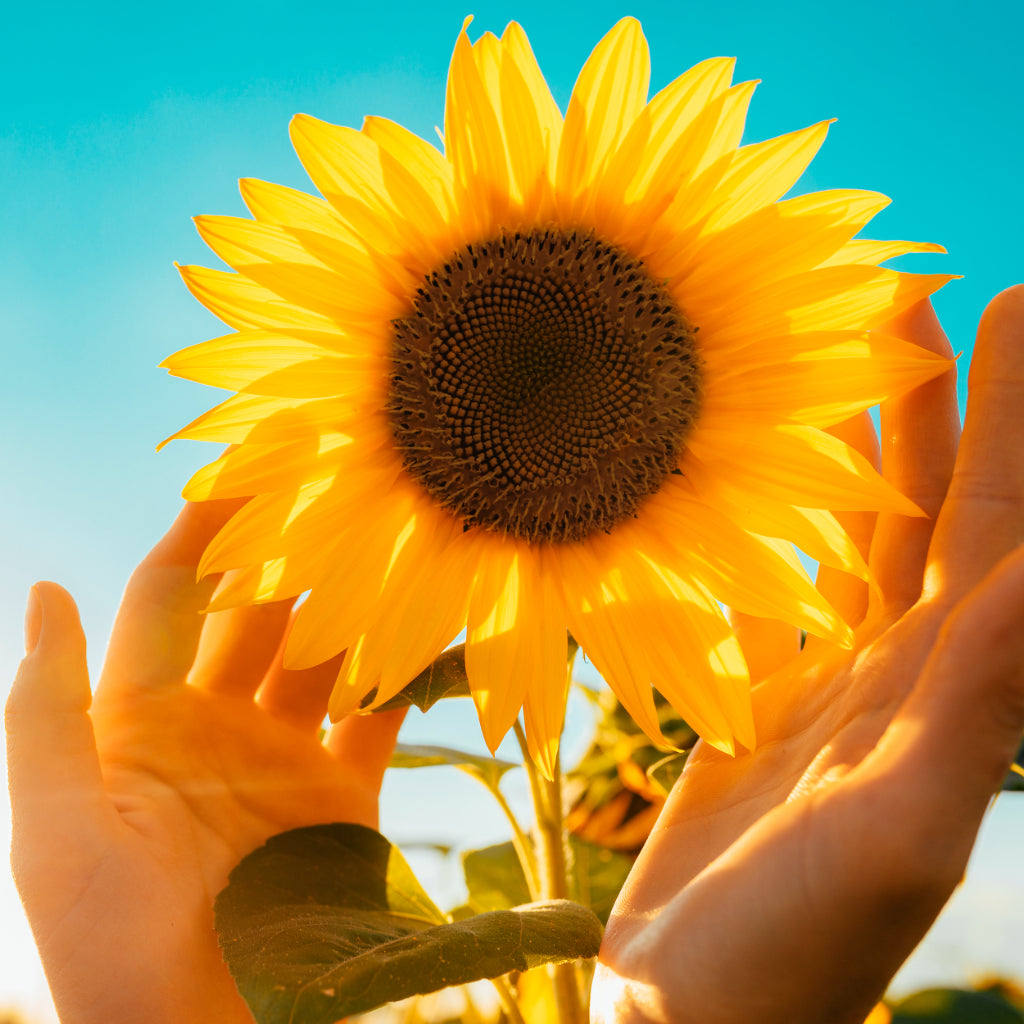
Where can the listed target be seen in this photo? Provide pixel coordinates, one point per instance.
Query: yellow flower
(571, 373)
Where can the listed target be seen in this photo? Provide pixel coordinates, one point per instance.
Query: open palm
(198, 747)
(786, 886)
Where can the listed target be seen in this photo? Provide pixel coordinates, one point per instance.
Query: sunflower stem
(552, 843)
(521, 844)
(508, 1000)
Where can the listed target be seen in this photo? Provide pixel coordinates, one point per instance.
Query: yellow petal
(422, 608)
(346, 602)
(258, 468)
(346, 166)
(543, 660)
(761, 173)
(749, 573)
(474, 144)
(610, 92)
(824, 386)
(418, 156)
(595, 599)
(647, 170)
(287, 207)
(786, 238)
(272, 363)
(273, 258)
(495, 641)
(531, 119)
(795, 464)
(816, 532)
(274, 580)
(642, 624)
(868, 251)
(829, 298)
(532, 126)
(259, 419)
(702, 157)
(701, 670)
(243, 304)
(264, 528)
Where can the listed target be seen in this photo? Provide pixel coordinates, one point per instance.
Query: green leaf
(328, 921)
(488, 769)
(598, 875)
(955, 1006)
(495, 879)
(444, 677)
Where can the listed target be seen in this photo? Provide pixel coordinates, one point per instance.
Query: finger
(298, 696)
(920, 433)
(53, 768)
(156, 632)
(846, 593)
(953, 740)
(767, 644)
(365, 743)
(983, 516)
(237, 648)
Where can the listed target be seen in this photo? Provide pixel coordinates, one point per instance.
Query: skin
(785, 885)
(128, 815)
(789, 884)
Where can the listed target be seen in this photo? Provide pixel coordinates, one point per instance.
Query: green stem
(522, 845)
(554, 881)
(508, 1000)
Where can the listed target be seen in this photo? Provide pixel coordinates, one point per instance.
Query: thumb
(56, 785)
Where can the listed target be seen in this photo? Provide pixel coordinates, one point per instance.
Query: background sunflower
(118, 125)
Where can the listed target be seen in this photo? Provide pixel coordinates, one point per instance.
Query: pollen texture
(543, 385)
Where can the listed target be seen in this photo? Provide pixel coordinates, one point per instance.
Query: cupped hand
(198, 746)
(787, 885)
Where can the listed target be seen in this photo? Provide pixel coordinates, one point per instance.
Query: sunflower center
(542, 385)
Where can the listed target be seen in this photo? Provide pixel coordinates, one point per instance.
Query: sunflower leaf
(495, 879)
(444, 677)
(328, 921)
(487, 769)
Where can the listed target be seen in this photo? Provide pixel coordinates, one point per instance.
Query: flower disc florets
(543, 385)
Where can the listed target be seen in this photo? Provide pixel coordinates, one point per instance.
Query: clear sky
(119, 121)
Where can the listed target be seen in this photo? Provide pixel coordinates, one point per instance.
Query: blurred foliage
(618, 788)
(1015, 776)
(995, 1001)
(495, 879)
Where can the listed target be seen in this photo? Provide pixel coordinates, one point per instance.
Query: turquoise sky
(118, 122)
(121, 121)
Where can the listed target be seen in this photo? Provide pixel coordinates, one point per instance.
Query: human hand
(787, 885)
(198, 747)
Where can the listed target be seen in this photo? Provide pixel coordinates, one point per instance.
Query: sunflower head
(572, 373)
(543, 385)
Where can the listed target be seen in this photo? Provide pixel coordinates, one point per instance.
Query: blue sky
(121, 121)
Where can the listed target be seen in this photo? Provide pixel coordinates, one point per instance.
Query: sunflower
(571, 373)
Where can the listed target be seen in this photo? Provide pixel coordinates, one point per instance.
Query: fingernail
(33, 620)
